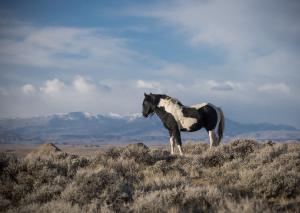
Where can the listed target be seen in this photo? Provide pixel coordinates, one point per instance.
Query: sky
(101, 56)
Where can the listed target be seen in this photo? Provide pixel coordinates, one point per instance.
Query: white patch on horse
(172, 144)
(180, 149)
(172, 107)
(212, 138)
(198, 106)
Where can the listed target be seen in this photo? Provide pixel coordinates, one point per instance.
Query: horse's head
(148, 105)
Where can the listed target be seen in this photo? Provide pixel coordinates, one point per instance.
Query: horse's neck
(169, 106)
(162, 114)
(159, 111)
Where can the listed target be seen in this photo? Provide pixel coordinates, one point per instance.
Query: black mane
(157, 98)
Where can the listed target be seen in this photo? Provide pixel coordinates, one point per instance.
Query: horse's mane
(173, 100)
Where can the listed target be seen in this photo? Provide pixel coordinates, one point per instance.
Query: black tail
(221, 126)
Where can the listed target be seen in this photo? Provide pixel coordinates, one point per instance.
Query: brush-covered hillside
(242, 176)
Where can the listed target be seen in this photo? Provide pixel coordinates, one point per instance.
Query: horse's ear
(145, 94)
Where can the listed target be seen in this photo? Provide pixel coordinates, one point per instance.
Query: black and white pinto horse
(176, 117)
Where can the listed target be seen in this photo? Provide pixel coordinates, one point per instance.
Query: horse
(176, 118)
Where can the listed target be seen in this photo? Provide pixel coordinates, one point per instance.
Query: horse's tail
(221, 125)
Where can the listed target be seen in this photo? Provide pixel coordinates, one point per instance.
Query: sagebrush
(242, 176)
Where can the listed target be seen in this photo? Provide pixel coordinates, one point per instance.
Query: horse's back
(198, 106)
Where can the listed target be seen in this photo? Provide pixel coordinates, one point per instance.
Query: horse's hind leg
(212, 138)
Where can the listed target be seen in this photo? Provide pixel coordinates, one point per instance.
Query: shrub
(138, 152)
(241, 176)
(187, 199)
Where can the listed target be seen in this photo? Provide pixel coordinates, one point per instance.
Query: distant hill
(81, 127)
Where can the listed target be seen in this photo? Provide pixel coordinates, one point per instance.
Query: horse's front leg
(175, 138)
(172, 144)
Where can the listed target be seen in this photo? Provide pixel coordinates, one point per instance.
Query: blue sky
(101, 56)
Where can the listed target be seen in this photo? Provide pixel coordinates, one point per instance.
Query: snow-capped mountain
(83, 127)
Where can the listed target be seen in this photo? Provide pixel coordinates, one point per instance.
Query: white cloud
(3, 91)
(279, 64)
(28, 89)
(63, 47)
(148, 84)
(275, 88)
(83, 85)
(52, 86)
(129, 95)
(221, 86)
(254, 39)
(238, 26)
(172, 70)
(104, 87)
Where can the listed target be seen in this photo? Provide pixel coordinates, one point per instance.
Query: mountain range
(87, 128)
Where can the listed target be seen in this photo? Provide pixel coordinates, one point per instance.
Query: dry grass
(242, 176)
